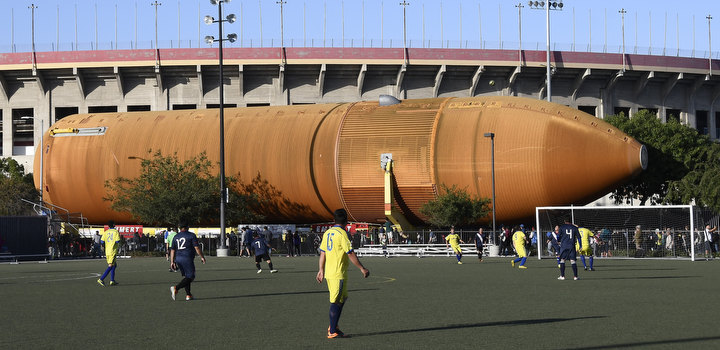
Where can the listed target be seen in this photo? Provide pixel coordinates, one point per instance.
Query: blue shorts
(568, 254)
(187, 267)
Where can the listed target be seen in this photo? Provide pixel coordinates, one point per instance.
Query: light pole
(622, 13)
(491, 135)
(282, 32)
(519, 7)
(709, 17)
(157, 48)
(42, 155)
(222, 251)
(32, 8)
(405, 4)
(539, 5)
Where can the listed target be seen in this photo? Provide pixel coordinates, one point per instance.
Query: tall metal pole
(622, 14)
(519, 7)
(157, 47)
(282, 31)
(223, 191)
(491, 135)
(548, 71)
(32, 8)
(42, 160)
(76, 28)
(405, 56)
(709, 17)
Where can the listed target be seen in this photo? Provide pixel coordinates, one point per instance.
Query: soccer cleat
(562, 278)
(575, 278)
(512, 263)
(459, 262)
(585, 268)
(522, 267)
(113, 283)
(273, 271)
(592, 269)
(558, 266)
(173, 292)
(338, 333)
(260, 270)
(188, 297)
(100, 282)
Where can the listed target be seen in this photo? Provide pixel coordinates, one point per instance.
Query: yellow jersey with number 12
(336, 245)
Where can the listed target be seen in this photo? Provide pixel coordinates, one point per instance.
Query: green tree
(682, 164)
(455, 207)
(14, 186)
(167, 191)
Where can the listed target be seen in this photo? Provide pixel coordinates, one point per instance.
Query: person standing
(479, 243)
(183, 248)
(168, 243)
(707, 235)
(335, 251)
(569, 234)
(585, 236)
(111, 238)
(97, 245)
(452, 241)
(297, 243)
(261, 249)
(519, 242)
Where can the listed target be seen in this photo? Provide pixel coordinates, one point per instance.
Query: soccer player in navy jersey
(568, 235)
(182, 256)
(262, 251)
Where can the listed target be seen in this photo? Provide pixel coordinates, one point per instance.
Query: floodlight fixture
(231, 18)
(209, 39)
(209, 20)
(214, 2)
(232, 37)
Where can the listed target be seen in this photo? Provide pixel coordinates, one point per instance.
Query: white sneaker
(173, 292)
(273, 271)
(575, 278)
(562, 278)
(259, 271)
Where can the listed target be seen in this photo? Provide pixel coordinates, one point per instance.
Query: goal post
(632, 231)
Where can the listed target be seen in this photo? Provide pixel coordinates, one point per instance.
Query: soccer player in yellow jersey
(519, 241)
(335, 251)
(586, 250)
(452, 240)
(111, 237)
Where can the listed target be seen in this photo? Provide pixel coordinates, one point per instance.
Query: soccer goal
(660, 231)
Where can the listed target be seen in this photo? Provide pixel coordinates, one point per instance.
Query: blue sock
(562, 269)
(591, 262)
(335, 310)
(458, 256)
(112, 273)
(522, 262)
(558, 259)
(516, 260)
(582, 257)
(574, 267)
(106, 273)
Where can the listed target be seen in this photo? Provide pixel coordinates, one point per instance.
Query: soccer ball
(492, 83)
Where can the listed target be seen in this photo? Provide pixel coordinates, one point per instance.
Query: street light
(42, 154)
(491, 135)
(223, 250)
(157, 47)
(709, 17)
(554, 5)
(622, 13)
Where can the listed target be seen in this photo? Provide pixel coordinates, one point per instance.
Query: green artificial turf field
(407, 303)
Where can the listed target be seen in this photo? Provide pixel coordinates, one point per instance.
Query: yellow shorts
(456, 249)
(521, 252)
(338, 290)
(110, 259)
(587, 251)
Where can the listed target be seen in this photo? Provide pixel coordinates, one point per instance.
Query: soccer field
(406, 303)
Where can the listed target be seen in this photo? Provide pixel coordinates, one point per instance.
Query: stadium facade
(51, 85)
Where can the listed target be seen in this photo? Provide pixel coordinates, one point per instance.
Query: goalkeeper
(586, 249)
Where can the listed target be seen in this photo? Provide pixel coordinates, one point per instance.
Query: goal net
(633, 231)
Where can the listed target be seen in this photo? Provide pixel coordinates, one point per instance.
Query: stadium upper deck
(58, 84)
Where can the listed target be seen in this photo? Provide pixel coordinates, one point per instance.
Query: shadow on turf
(643, 277)
(657, 342)
(477, 325)
(284, 293)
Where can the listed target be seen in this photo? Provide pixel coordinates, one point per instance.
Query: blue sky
(650, 25)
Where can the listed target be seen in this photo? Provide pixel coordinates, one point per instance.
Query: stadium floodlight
(560, 5)
(209, 39)
(209, 19)
(232, 37)
(214, 2)
(231, 18)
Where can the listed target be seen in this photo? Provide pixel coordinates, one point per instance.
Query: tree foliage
(455, 207)
(168, 191)
(682, 164)
(14, 186)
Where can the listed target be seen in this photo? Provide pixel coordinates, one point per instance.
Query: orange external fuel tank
(323, 157)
